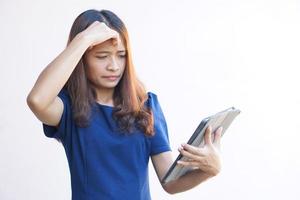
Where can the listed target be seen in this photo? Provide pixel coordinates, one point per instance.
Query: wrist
(82, 39)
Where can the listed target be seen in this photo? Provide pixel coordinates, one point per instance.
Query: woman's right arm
(43, 99)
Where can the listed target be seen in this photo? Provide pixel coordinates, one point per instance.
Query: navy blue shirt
(103, 163)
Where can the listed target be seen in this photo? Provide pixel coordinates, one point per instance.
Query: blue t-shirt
(103, 163)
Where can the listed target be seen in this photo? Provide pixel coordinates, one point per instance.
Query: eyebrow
(121, 51)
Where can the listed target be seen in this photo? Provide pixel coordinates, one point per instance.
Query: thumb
(218, 134)
(207, 137)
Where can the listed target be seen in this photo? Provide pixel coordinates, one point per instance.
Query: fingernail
(221, 129)
(209, 127)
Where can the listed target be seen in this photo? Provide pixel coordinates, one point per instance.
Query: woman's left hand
(206, 158)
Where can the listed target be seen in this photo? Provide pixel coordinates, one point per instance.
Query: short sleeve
(65, 123)
(160, 141)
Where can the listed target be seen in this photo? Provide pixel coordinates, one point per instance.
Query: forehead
(108, 46)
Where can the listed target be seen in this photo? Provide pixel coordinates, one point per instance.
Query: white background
(199, 57)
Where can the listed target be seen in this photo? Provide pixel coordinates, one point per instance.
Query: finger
(114, 37)
(94, 24)
(116, 40)
(119, 38)
(207, 137)
(192, 149)
(188, 163)
(187, 154)
(97, 22)
(218, 134)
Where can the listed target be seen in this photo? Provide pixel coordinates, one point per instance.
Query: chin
(108, 86)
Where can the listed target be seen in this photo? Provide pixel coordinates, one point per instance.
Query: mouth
(112, 78)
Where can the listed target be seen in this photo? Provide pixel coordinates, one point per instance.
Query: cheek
(122, 63)
(95, 68)
(94, 74)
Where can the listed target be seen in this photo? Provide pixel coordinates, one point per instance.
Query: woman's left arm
(205, 161)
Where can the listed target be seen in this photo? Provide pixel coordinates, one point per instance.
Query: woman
(89, 99)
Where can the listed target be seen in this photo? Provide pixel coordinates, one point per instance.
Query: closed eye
(102, 57)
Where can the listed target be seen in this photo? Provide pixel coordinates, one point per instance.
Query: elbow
(30, 102)
(33, 103)
(167, 188)
(170, 192)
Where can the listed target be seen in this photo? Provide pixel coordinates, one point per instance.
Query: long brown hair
(129, 95)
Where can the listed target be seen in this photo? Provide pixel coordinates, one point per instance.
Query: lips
(110, 76)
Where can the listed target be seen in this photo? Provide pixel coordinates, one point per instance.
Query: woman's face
(105, 64)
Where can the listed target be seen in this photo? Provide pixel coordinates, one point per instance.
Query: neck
(104, 95)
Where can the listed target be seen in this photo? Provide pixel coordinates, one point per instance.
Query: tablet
(223, 118)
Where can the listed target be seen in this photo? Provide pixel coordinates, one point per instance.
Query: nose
(113, 65)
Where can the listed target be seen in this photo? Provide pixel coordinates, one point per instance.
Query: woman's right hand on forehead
(99, 32)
